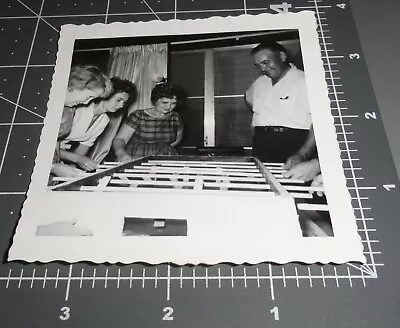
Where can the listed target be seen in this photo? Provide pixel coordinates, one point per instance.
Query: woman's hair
(126, 86)
(89, 77)
(165, 90)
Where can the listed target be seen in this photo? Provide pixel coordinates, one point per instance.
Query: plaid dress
(153, 136)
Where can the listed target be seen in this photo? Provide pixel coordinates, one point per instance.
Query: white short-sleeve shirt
(283, 104)
(84, 129)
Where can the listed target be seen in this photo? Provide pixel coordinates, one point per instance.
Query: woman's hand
(86, 163)
(65, 170)
(124, 158)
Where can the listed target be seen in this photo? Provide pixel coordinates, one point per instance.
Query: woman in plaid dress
(152, 131)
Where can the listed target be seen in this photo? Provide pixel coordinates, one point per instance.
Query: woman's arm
(84, 162)
(179, 135)
(124, 134)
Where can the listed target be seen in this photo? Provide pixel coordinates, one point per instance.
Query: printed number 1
(168, 313)
(65, 313)
(275, 312)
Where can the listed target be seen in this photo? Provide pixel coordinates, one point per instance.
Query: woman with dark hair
(90, 121)
(152, 131)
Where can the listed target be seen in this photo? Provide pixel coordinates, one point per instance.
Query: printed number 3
(168, 313)
(354, 56)
(65, 313)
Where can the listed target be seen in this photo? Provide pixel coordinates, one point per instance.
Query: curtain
(144, 65)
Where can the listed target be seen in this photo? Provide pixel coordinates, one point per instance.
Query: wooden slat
(238, 185)
(153, 183)
(298, 195)
(187, 177)
(188, 171)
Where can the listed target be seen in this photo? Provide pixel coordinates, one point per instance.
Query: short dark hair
(270, 45)
(165, 90)
(120, 85)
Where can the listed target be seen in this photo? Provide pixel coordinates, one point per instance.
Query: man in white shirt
(281, 112)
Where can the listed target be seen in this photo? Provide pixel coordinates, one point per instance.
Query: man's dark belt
(273, 128)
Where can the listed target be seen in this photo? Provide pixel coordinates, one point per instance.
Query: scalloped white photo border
(345, 246)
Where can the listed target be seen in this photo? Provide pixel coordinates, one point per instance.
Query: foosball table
(251, 191)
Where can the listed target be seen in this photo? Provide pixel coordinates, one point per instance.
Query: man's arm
(305, 153)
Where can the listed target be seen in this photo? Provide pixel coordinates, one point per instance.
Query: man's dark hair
(270, 45)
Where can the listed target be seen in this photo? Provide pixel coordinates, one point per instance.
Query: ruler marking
(168, 282)
(194, 278)
(297, 277)
(219, 277)
(309, 274)
(68, 282)
(130, 277)
(349, 275)
(231, 277)
(271, 282)
(106, 278)
(283, 277)
(156, 278)
(118, 277)
(206, 280)
(258, 277)
(44, 278)
(56, 283)
(94, 278)
(336, 277)
(20, 278)
(81, 280)
(323, 277)
(245, 277)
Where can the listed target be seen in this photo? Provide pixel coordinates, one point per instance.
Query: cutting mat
(264, 295)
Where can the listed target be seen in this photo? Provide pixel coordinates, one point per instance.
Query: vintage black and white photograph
(200, 141)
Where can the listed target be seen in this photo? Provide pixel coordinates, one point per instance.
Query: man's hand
(305, 171)
(86, 163)
(293, 161)
(318, 182)
(63, 228)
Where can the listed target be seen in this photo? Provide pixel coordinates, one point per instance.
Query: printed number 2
(168, 313)
(282, 8)
(369, 115)
(275, 312)
(65, 313)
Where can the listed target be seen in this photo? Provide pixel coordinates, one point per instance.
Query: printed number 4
(341, 5)
(168, 313)
(282, 8)
(65, 313)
